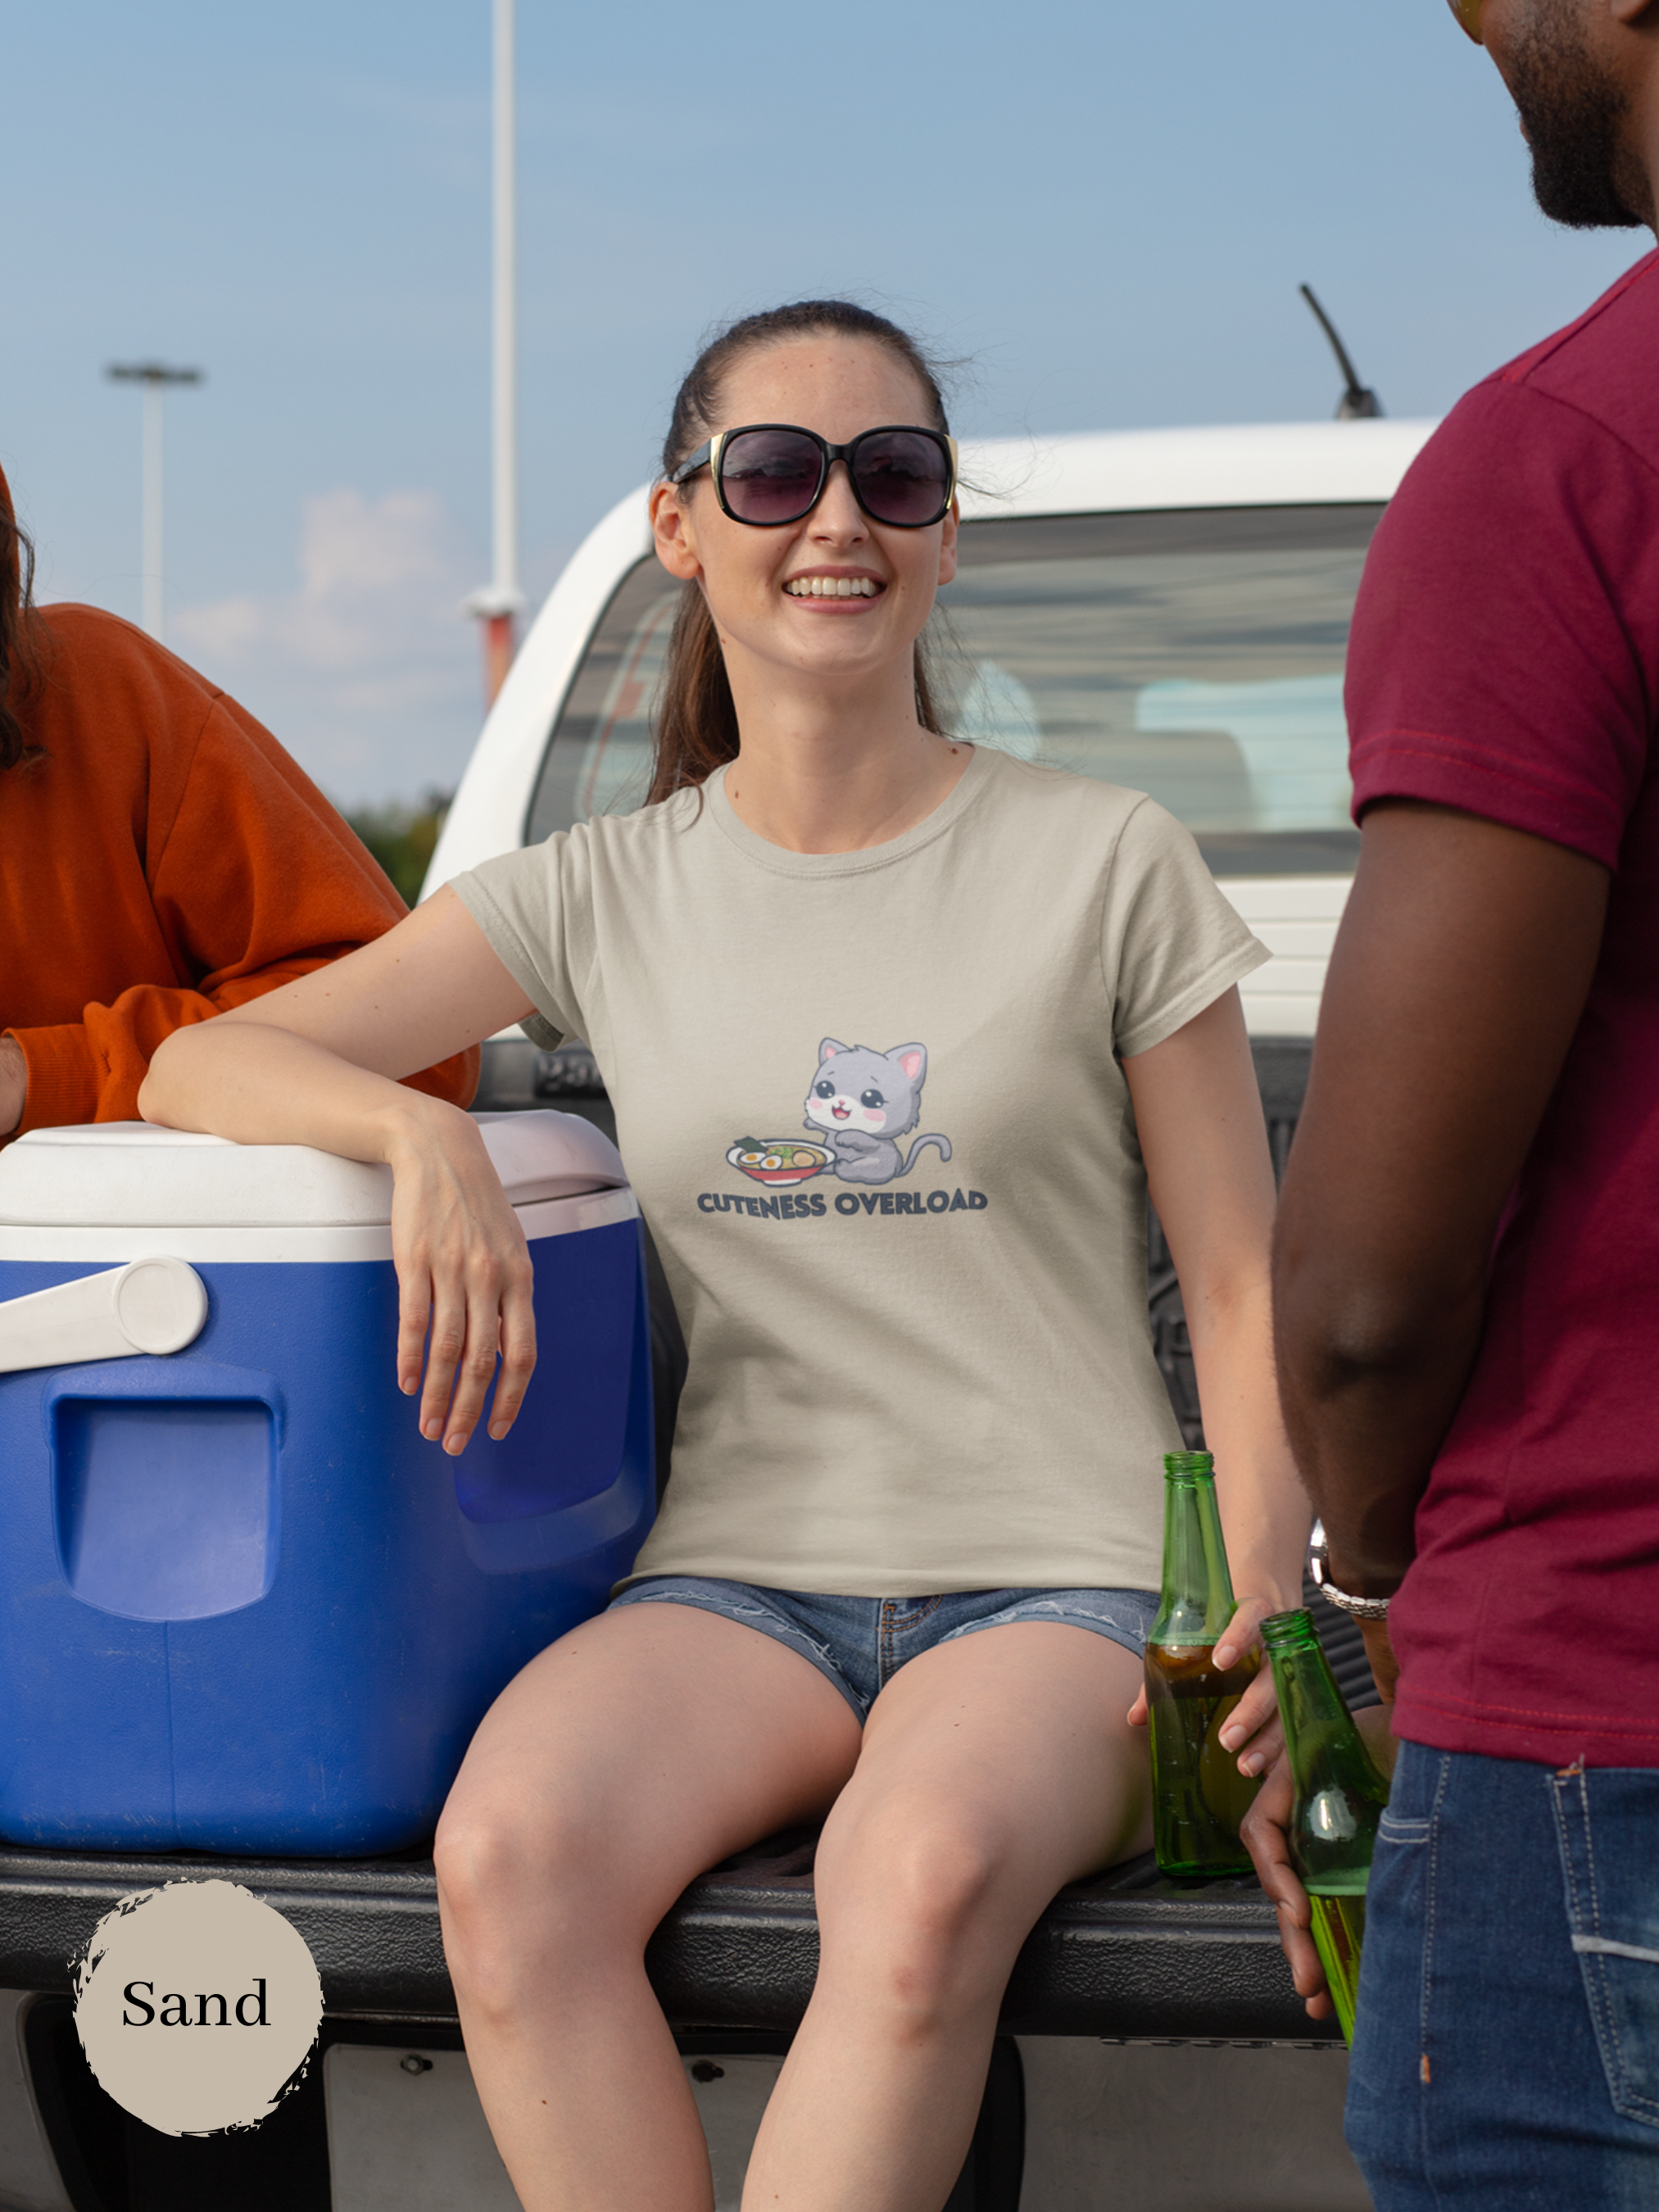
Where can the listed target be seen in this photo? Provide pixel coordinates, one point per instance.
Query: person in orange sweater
(161, 859)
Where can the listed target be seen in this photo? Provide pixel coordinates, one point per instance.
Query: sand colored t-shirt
(873, 1106)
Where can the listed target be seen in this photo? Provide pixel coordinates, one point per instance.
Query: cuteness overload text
(810, 1204)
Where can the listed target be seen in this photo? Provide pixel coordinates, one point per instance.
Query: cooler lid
(132, 1175)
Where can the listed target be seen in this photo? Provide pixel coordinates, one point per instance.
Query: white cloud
(368, 673)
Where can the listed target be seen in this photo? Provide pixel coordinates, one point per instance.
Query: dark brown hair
(695, 723)
(20, 636)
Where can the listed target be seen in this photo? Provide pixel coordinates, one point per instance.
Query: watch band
(1362, 1609)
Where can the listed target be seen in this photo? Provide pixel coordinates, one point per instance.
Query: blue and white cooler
(243, 1606)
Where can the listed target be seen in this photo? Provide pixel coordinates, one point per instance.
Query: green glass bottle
(1199, 1795)
(1339, 1796)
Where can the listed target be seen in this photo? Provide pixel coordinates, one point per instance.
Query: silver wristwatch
(1362, 1609)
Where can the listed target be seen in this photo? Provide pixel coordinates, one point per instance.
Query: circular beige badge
(197, 2006)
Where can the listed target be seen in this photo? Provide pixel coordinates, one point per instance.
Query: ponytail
(695, 729)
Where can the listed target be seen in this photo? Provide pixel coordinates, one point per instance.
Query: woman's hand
(464, 1275)
(1253, 1728)
(319, 1062)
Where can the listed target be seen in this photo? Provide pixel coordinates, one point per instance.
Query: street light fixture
(154, 376)
(498, 601)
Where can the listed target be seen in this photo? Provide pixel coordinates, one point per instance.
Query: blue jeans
(1506, 2054)
(860, 1643)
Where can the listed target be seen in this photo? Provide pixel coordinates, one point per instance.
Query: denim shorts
(860, 1643)
(1506, 2053)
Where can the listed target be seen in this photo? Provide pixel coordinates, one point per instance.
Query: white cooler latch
(155, 1306)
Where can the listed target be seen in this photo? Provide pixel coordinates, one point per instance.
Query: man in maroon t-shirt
(1467, 1270)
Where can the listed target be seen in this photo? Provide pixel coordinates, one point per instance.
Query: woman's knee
(522, 1895)
(919, 1916)
(482, 1863)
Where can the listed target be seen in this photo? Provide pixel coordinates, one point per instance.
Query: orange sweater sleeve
(258, 880)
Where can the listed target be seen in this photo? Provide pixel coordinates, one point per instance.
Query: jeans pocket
(1607, 1822)
(1402, 1885)
(1401, 1828)
(1419, 1781)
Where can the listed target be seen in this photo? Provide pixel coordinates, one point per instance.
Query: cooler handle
(155, 1306)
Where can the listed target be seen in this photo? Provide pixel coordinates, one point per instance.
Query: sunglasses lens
(1469, 13)
(769, 476)
(901, 477)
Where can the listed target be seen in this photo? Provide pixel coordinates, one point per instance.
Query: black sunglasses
(771, 473)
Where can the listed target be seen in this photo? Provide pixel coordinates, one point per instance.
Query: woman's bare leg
(639, 1750)
(994, 1770)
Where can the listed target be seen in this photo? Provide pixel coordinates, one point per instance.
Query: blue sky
(1106, 210)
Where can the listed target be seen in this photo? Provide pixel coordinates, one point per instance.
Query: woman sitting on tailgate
(906, 1562)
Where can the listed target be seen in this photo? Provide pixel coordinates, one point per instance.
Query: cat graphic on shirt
(864, 1101)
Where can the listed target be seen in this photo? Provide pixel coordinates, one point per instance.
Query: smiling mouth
(834, 588)
(841, 1113)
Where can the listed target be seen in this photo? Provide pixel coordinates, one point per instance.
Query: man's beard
(1573, 114)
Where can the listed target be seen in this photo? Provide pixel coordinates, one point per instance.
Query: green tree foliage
(402, 837)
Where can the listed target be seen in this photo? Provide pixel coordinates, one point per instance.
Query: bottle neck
(1312, 1711)
(1196, 1600)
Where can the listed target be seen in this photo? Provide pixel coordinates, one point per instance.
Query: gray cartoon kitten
(864, 1100)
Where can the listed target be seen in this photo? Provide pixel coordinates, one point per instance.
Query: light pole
(498, 601)
(154, 376)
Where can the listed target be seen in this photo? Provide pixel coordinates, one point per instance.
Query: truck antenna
(1358, 403)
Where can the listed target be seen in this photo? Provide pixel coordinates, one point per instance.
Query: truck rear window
(1197, 656)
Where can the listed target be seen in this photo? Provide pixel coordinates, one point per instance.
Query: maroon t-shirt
(1505, 661)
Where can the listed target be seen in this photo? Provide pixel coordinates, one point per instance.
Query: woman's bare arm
(429, 988)
(318, 1062)
(1199, 1114)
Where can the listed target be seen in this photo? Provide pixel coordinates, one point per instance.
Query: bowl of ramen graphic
(778, 1159)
